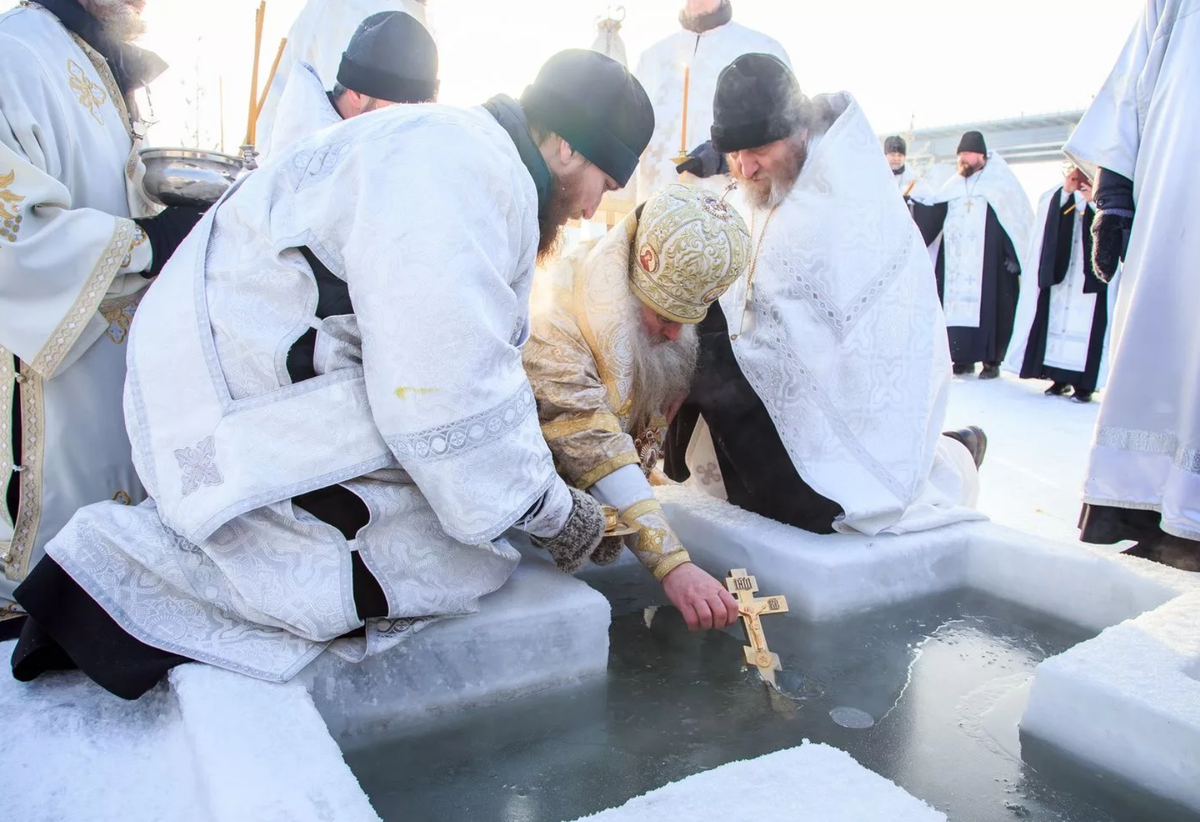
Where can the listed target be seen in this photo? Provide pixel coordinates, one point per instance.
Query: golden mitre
(689, 248)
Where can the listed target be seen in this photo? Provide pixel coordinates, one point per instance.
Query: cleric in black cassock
(1063, 315)
(986, 338)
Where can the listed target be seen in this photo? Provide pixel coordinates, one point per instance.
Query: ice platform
(212, 746)
(542, 630)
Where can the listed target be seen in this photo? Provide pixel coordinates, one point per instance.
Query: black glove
(580, 537)
(1110, 239)
(704, 162)
(166, 231)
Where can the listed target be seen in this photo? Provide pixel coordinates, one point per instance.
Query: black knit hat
(596, 105)
(895, 145)
(972, 141)
(758, 101)
(391, 57)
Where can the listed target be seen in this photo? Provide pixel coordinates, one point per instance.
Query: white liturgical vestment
(844, 342)
(420, 406)
(69, 257)
(660, 70)
(965, 231)
(1143, 125)
(1069, 332)
(304, 109)
(319, 37)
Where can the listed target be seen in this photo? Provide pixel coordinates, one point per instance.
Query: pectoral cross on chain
(743, 587)
(970, 203)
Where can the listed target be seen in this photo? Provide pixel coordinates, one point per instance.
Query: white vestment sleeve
(623, 488)
(439, 275)
(1110, 132)
(58, 262)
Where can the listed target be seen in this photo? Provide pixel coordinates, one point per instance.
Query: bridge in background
(1033, 139)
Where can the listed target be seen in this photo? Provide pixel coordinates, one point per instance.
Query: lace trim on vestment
(14, 555)
(64, 337)
(465, 435)
(1150, 442)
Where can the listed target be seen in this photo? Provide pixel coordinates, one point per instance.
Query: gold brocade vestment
(580, 364)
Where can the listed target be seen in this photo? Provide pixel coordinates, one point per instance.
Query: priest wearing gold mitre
(611, 356)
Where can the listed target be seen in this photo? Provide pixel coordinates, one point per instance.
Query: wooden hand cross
(743, 587)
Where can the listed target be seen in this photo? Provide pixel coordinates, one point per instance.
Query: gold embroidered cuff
(656, 545)
(600, 421)
(640, 509)
(669, 563)
(605, 468)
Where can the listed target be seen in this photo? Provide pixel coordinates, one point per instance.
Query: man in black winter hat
(822, 378)
(360, 432)
(391, 59)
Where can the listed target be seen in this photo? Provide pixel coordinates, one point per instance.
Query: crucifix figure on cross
(743, 587)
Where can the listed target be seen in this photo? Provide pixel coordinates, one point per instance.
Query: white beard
(120, 20)
(662, 371)
(770, 197)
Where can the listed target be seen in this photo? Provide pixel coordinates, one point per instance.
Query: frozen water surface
(942, 678)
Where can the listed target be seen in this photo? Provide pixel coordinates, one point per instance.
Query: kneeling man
(611, 356)
(824, 376)
(326, 397)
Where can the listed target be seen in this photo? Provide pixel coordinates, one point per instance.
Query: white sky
(934, 62)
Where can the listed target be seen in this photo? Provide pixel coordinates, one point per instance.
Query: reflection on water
(921, 693)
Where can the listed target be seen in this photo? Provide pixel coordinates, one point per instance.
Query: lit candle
(687, 75)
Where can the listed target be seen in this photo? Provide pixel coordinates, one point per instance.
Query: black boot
(961, 369)
(1059, 389)
(974, 439)
(1176, 552)
(1082, 396)
(991, 370)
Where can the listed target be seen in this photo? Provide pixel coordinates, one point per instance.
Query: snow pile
(814, 782)
(1128, 701)
(541, 630)
(262, 752)
(75, 752)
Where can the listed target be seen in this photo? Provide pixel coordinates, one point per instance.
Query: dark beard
(554, 218)
(119, 21)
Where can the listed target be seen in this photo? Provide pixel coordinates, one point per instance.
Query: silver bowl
(187, 176)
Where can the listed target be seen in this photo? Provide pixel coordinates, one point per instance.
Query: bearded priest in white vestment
(326, 397)
(708, 40)
(824, 377)
(1061, 329)
(1138, 143)
(985, 221)
(318, 37)
(77, 248)
(390, 60)
(611, 356)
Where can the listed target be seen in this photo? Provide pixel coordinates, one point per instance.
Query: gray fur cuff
(572, 547)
